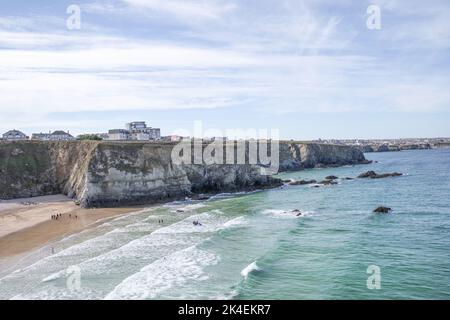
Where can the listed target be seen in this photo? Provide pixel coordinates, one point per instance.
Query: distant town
(139, 131)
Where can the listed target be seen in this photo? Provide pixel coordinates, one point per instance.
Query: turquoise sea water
(249, 248)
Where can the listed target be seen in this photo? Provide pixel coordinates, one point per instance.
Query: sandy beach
(27, 224)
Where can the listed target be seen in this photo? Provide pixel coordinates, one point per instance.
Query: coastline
(26, 224)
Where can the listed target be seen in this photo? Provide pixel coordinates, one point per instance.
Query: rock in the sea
(328, 182)
(199, 197)
(331, 178)
(374, 175)
(382, 210)
(301, 182)
(348, 178)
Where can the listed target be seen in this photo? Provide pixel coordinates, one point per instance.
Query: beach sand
(26, 224)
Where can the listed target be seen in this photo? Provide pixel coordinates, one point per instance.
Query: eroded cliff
(100, 174)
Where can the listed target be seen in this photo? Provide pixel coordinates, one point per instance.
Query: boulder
(382, 209)
(301, 182)
(331, 178)
(374, 175)
(328, 182)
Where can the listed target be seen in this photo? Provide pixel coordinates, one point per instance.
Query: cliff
(116, 173)
(298, 156)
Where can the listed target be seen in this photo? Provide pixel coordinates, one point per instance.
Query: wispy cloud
(278, 57)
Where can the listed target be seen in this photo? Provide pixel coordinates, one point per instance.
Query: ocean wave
(252, 267)
(287, 214)
(228, 195)
(174, 270)
(187, 208)
(239, 221)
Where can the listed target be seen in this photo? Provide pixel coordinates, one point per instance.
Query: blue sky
(311, 69)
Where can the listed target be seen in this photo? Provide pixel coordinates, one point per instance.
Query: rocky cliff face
(112, 173)
(297, 156)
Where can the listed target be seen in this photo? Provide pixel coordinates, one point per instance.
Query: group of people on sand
(196, 223)
(60, 216)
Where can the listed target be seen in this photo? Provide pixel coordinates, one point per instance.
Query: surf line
(189, 310)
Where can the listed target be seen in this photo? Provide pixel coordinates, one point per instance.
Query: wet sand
(26, 224)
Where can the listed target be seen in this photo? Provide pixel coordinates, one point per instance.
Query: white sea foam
(252, 267)
(287, 214)
(166, 273)
(239, 221)
(188, 208)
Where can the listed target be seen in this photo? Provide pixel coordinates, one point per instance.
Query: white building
(137, 130)
(15, 135)
(174, 138)
(118, 134)
(57, 135)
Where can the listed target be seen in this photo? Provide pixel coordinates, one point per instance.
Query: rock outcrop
(105, 174)
(296, 156)
(374, 175)
(301, 182)
(382, 210)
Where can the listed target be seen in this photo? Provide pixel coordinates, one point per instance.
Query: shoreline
(26, 224)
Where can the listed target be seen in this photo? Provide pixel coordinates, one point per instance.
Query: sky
(309, 69)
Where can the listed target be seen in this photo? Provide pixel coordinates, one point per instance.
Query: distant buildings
(173, 138)
(15, 135)
(58, 135)
(118, 134)
(137, 130)
(134, 131)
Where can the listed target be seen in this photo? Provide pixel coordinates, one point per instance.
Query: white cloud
(280, 57)
(185, 9)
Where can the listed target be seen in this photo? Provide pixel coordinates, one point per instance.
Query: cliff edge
(106, 174)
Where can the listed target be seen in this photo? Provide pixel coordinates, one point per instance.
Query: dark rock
(301, 182)
(382, 210)
(374, 175)
(367, 148)
(348, 178)
(331, 178)
(297, 212)
(328, 182)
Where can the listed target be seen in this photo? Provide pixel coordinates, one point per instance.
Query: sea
(252, 246)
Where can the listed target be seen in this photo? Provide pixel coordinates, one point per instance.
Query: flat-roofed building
(118, 134)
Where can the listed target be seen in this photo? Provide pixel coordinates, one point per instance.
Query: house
(118, 134)
(15, 135)
(57, 135)
(60, 135)
(174, 138)
(40, 136)
(137, 130)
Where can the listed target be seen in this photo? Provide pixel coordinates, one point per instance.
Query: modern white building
(118, 134)
(137, 130)
(15, 135)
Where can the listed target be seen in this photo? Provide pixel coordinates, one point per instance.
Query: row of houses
(137, 130)
(59, 135)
